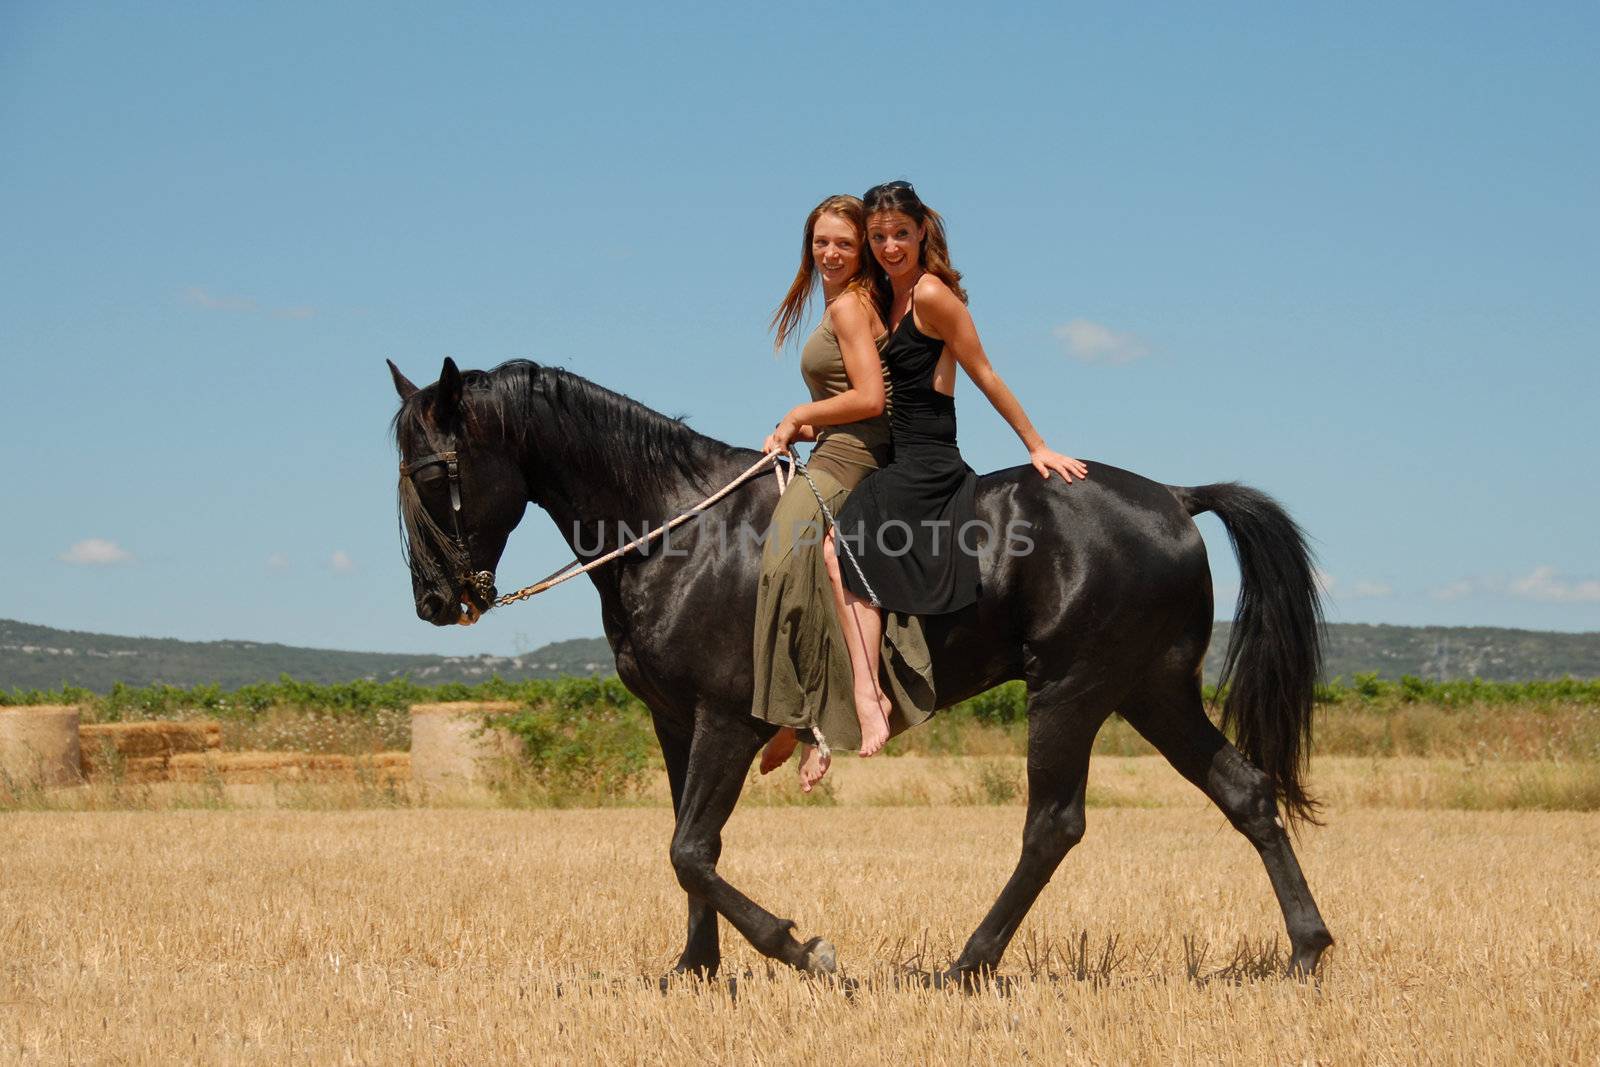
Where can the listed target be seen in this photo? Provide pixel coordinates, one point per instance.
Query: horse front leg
(720, 755)
(702, 950)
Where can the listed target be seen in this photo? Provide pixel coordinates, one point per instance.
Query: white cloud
(1546, 583)
(1325, 581)
(277, 562)
(1456, 590)
(1092, 342)
(1365, 589)
(197, 296)
(201, 298)
(96, 552)
(341, 562)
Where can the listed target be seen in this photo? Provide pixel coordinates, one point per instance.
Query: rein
(483, 581)
(573, 569)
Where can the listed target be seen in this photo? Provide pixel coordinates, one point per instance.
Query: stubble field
(409, 934)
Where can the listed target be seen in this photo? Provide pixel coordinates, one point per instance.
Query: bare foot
(813, 765)
(778, 750)
(875, 724)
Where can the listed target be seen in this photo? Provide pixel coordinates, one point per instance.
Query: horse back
(1096, 567)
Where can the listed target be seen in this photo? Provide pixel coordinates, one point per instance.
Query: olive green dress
(802, 666)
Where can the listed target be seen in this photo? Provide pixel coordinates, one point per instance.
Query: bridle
(482, 582)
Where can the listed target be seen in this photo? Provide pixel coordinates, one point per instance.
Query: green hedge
(1004, 704)
(350, 698)
(1008, 702)
(588, 740)
(585, 741)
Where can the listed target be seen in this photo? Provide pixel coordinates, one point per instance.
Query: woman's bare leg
(872, 705)
(863, 631)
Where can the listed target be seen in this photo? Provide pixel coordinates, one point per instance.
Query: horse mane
(644, 453)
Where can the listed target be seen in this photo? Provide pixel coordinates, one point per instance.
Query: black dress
(912, 524)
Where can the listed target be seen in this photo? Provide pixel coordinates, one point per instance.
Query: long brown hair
(793, 307)
(935, 252)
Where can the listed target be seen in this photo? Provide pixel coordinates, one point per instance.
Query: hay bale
(133, 739)
(39, 746)
(260, 768)
(235, 767)
(451, 751)
(387, 768)
(141, 751)
(136, 771)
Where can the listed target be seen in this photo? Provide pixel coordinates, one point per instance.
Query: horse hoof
(1304, 968)
(687, 973)
(819, 957)
(980, 980)
(1304, 960)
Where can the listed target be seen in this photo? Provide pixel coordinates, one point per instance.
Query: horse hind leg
(1171, 716)
(1061, 729)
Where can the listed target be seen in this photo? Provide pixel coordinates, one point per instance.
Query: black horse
(1110, 611)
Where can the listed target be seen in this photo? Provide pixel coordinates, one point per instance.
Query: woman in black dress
(906, 526)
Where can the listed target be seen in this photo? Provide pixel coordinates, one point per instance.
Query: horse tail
(1276, 638)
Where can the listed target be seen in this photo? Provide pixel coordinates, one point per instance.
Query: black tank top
(911, 357)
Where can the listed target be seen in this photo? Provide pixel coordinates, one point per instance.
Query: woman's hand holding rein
(786, 433)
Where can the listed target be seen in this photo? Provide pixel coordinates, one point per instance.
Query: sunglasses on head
(899, 186)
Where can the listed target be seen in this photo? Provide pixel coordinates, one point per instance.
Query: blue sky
(1347, 254)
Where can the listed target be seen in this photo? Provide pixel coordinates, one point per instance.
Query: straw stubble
(476, 936)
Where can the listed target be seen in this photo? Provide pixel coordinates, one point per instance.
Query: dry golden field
(240, 933)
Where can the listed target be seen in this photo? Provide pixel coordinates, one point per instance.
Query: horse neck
(596, 501)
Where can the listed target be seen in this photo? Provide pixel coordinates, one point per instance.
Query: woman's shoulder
(854, 310)
(938, 305)
(932, 288)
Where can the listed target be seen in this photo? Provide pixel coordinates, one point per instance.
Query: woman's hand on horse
(1045, 460)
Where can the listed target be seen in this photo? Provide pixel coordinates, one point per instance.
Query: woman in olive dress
(802, 667)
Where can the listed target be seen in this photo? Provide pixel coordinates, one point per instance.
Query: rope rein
(839, 543)
(573, 569)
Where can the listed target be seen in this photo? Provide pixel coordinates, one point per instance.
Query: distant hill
(1443, 653)
(39, 657)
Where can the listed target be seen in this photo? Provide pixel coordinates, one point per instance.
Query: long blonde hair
(793, 307)
(934, 255)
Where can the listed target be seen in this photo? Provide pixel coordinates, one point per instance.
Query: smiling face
(835, 251)
(896, 242)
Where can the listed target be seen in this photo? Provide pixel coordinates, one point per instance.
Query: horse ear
(447, 396)
(402, 384)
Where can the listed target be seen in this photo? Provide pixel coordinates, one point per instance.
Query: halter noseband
(481, 581)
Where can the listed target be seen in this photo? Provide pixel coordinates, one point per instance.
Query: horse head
(462, 492)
